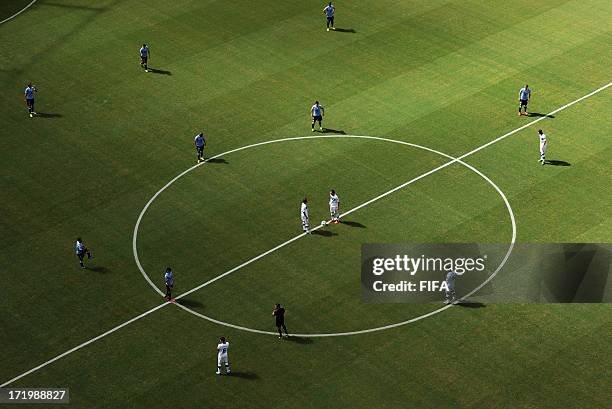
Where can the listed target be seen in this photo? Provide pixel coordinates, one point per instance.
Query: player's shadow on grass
(300, 340)
(537, 114)
(345, 30)
(162, 72)
(71, 6)
(324, 233)
(217, 160)
(251, 376)
(186, 302)
(557, 163)
(353, 224)
(99, 269)
(337, 131)
(48, 115)
(470, 304)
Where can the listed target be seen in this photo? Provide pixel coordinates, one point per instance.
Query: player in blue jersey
(329, 12)
(29, 98)
(317, 113)
(169, 280)
(145, 54)
(200, 143)
(81, 251)
(524, 95)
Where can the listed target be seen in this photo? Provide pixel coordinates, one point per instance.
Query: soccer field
(421, 140)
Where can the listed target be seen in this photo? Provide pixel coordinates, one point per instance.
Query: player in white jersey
(334, 207)
(169, 280)
(222, 358)
(144, 57)
(81, 250)
(524, 95)
(450, 282)
(330, 12)
(304, 215)
(543, 146)
(317, 113)
(29, 98)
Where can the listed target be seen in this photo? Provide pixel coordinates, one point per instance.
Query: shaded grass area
(9, 8)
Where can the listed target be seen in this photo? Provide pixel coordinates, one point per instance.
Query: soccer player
(81, 250)
(144, 57)
(329, 12)
(317, 112)
(222, 358)
(304, 215)
(543, 146)
(524, 95)
(334, 207)
(29, 98)
(279, 314)
(200, 142)
(169, 279)
(450, 282)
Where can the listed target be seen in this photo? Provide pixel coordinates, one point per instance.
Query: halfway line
(76, 348)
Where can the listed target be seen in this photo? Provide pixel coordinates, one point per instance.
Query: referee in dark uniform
(279, 314)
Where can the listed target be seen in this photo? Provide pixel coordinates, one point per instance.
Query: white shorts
(333, 210)
(222, 359)
(304, 221)
(543, 147)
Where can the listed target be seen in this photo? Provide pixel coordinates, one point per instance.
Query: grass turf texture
(444, 74)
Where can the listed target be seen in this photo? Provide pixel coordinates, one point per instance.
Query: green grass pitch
(443, 74)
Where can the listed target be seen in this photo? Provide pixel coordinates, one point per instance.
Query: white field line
(18, 13)
(84, 344)
(317, 227)
(590, 94)
(295, 238)
(414, 319)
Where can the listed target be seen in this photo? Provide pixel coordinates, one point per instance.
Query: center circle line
(431, 313)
